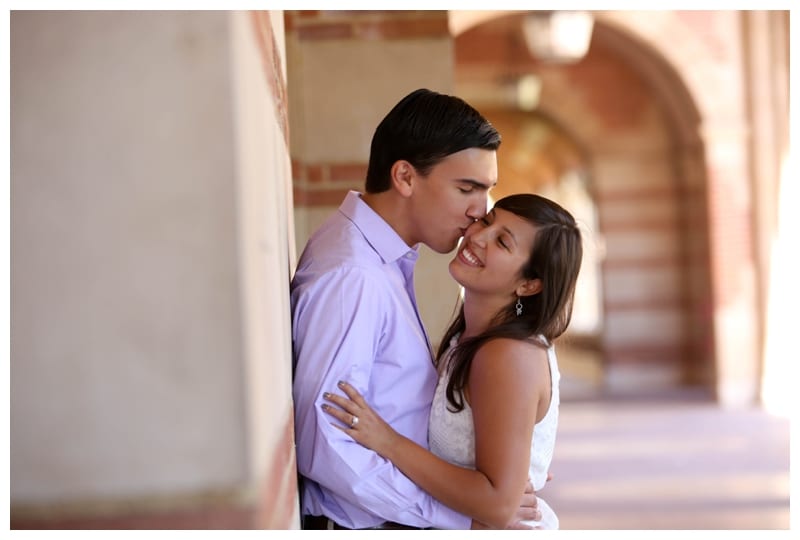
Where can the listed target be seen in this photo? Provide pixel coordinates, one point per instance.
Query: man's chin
(444, 249)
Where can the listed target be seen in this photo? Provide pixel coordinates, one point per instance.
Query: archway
(633, 129)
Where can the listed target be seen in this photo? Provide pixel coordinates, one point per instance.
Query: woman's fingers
(336, 413)
(352, 393)
(343, 416)
(342, 402)
(349, 409)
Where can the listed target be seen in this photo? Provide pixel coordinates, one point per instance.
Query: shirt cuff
(453, 520)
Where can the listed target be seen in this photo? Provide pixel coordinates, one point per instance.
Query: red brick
(279, 488)
(611, 224)
(273, 72)
(289, 21)
(298, 171)
(620, 263)
(318, 198)
(634, 195)
(402, 28)
(312, 32)
(220, 515)
(348, 172)
(647, 304)
(315, 173)
(643, 354)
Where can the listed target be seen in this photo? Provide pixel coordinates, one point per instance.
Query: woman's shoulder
(513, 366)
(506, 347)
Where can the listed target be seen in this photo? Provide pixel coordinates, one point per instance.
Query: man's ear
(530, 287)
(403, 174)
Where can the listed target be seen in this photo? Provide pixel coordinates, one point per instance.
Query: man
(355, 317)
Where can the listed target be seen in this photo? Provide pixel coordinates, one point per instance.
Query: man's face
(452, 197)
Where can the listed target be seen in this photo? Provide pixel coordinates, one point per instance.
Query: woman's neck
(479, 311)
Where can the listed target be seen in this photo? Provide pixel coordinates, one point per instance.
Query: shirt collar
(379, 234)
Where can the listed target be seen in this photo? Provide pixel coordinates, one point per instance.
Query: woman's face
(490, 258)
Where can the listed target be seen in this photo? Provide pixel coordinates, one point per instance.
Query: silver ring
(354, 422)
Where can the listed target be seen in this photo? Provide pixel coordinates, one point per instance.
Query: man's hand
(528, 510)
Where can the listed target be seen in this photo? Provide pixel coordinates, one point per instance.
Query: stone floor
(677, 462)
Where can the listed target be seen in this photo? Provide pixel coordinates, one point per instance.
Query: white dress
(451, 436)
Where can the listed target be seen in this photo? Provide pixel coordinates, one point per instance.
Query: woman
(494, 415)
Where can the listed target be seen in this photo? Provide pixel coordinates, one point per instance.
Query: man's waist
(325, 523)
(317, 502)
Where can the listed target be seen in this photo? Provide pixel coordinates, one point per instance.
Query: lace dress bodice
(451, 436)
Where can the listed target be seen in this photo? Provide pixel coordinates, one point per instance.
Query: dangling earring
(519, 306)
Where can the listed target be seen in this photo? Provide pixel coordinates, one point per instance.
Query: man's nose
(477, 209)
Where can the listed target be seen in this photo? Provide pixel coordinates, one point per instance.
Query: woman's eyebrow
(511, 234)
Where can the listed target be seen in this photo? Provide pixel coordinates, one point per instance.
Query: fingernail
(324, 407)
(326, 395)
(340, 383)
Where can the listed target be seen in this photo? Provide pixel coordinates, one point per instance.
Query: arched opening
(540, 156)
(614, 138)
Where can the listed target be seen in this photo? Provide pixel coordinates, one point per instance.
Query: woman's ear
(529, 287)
(403, 174)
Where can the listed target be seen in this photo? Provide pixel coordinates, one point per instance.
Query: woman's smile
(469, 257)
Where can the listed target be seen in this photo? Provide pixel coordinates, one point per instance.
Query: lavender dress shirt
(355, 318)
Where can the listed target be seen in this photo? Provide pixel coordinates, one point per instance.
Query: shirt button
(409, 255)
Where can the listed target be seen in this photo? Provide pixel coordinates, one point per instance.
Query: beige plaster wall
(345, 87)
(265, 244)
(151, 245)
(125, 340)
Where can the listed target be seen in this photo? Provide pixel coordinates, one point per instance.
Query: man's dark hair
(424, 128)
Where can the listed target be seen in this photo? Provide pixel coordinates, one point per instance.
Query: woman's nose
(480, 237)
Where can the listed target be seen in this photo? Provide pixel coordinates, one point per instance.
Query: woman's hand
(360, 421)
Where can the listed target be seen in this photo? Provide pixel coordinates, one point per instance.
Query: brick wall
(346, 71)
(625, 146)
(349, 68)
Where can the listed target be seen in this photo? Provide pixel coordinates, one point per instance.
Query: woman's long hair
(555, 259)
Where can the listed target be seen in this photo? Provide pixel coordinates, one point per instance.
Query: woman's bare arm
(505, 387)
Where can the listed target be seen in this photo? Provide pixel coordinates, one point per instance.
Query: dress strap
(538, 340)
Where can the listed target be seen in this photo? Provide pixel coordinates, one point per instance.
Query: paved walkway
(669, 464)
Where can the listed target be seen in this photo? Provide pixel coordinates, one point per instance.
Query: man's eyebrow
(476, 184)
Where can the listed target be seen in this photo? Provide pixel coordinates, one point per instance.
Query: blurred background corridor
(166, 168)
(671, 462)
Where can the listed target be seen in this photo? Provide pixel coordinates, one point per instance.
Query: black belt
(323, 523)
